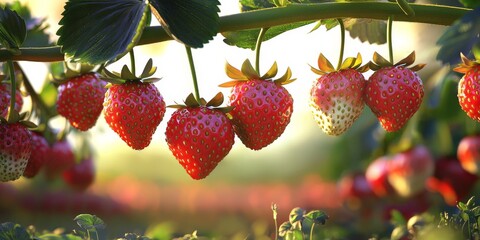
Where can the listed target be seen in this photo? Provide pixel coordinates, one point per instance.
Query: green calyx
(127, 75)
(249, 73)
(73, 69)
(379, 62)
(466, 64)
(15, 117)
(325, 66)
(214, 103)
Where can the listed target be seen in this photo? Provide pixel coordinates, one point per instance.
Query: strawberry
(81, 175)
(336, 98)
(134, 108)
(468, 94)
(15, 150)
(5, 93)
(468, 153)
(200, 136)
(80, 100)
(451, 180)
(61, 158)
(377, 176)
(40, 154)
(262, 107)
(394, 92)
(409, 170)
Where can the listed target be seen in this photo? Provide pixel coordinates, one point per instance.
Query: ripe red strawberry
(451, 180)
(261, 107)
(40, 154)
(410, 170)
(134, 108)
(61, 158)
(394, 93)
(336, 98)
(468, 153)
(81, 175)
(15, 150)
(80, 100)
(199, 137)
(468, 93)
(5, 93)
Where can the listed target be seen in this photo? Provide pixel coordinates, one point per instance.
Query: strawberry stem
(342, 43)
(194, 74)
(389, 38)
(132, 61)
(33, 94)
(258, 45)
(11, 71)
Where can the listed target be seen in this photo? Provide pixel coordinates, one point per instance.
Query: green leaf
(296, 215)
(248, 5)
(12, 231)
(95, 31)
(12, 29)
(249, 71)
(470, 3)
(248, 38)
(36, 27)
(89, 222)
(317, 216)
(367, 30)
(192, 22)
(284, 229)
(397, 218)
(460, 37)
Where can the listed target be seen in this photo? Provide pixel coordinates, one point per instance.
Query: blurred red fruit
(354, 189)
(451, 180)
(60, 159)
(81, 175)
(410, 170)
(40, 153)
(377, 176)
(408, 207)
(468, 153)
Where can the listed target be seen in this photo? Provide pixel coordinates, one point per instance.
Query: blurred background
(135, 190)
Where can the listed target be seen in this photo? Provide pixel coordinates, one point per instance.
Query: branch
(431, 14)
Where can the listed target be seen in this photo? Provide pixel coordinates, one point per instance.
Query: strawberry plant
(383, 163)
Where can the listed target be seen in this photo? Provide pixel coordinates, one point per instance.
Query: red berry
(336, 100)
(262, 111)
(61, 158)
(410, 170)
(134, 110)
(5, 93)
(451, 180)
(15, 150)
(80, 100)
(355, 186)
(199, 138)
(81, 175)
(468, 153)
(40, 154)
(377, 176)
(394, 94)
(468, 92)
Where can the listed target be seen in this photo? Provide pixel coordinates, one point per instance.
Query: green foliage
(470, 3)
(248, 38)
(12, 29)
(100, 31)
(12, 231)
(461, 37)
(192, 22)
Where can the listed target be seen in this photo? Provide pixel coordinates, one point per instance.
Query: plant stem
(311, 231)
(258, 46)
(342, 43)
(389, 38)
(194, 74)
(425, 13)
(132, 61)
(11, 71)
(33, 94)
